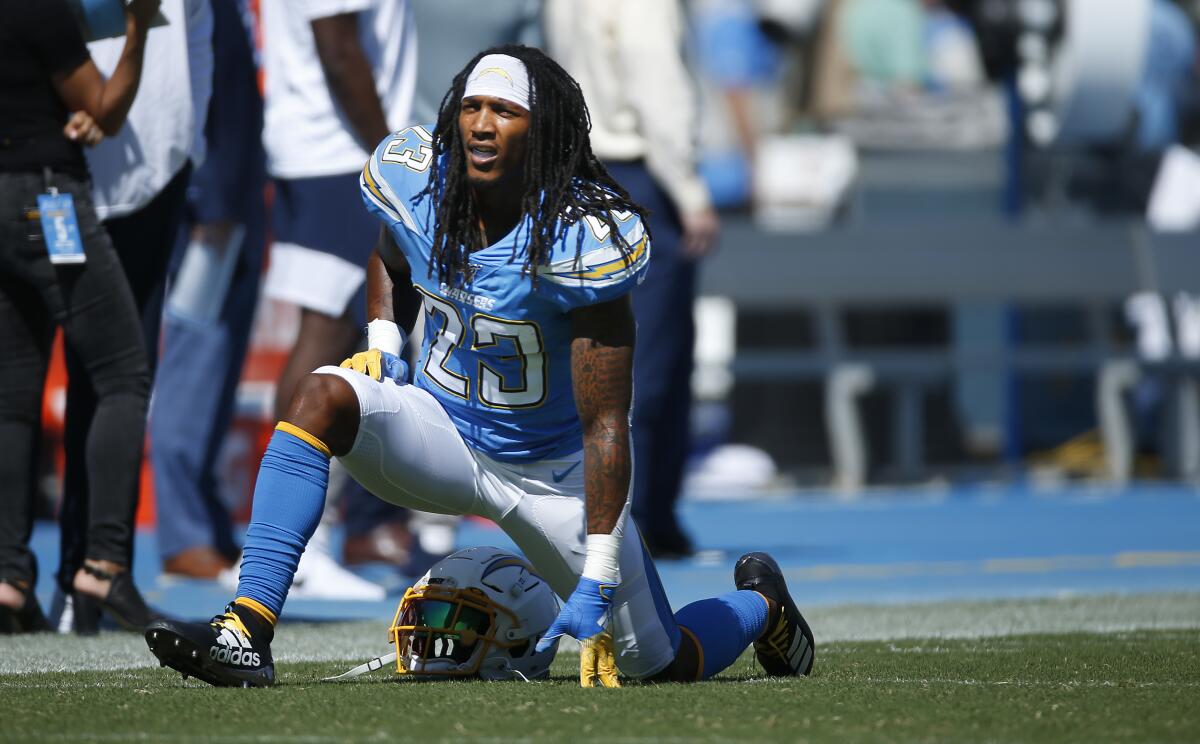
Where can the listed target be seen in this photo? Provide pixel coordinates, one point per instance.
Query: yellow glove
(369, 363)
(597, 661)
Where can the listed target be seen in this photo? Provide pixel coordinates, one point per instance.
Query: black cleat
(786, 648)
(220, 652)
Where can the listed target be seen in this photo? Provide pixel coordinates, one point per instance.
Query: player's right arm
(396, 170)
(391, 306)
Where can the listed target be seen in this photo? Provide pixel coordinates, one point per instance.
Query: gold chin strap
(598, 662)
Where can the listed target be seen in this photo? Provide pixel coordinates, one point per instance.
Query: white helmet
(478, 612)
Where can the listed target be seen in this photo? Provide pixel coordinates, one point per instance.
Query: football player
(509, 238)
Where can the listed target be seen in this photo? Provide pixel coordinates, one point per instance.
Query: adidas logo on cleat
(234, 649)
(234, 656)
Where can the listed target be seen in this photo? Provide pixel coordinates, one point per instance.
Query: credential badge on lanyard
(59, 226)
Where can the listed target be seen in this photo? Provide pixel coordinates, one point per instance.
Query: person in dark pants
(45, 73)
(140, 181)
(626, 55)
(662, 306)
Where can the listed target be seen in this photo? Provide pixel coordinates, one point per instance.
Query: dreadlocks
(564, 181)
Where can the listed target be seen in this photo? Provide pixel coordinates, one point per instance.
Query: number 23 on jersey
(515, 380)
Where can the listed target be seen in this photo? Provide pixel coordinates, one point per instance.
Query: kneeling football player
(518, 251)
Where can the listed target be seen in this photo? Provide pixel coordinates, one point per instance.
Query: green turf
(1130, 686)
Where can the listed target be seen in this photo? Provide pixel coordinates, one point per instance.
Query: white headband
(501, 76)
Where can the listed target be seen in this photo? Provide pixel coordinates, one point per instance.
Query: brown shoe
(387, 543)
(197, 563)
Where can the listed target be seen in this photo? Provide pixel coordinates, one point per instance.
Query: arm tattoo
(602, 376)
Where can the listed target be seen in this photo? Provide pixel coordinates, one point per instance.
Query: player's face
(494, 135)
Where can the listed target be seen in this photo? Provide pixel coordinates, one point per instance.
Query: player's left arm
(602, 376)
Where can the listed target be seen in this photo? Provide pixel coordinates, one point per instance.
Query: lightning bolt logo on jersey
(496, 351)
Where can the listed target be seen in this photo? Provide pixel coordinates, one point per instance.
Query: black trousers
(143, 241)
(93, 304)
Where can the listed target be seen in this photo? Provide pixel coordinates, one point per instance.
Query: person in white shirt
(627, 57)
(339, 75)
(139, 182)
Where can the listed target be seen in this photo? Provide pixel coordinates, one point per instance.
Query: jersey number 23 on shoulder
(412, 148)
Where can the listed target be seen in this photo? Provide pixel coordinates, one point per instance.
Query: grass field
(1123, 668)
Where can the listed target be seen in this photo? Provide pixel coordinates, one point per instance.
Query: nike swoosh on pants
(559, 476)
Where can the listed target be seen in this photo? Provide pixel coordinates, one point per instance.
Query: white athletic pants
(409, 453)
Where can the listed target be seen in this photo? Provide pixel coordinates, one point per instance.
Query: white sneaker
(319, 576)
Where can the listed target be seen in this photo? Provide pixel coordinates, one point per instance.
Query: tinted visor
(439, 630)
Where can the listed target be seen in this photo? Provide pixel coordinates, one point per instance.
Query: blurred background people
(339, 75)
(139, 182)
(209, 310)
(627, 57)
(46, 72)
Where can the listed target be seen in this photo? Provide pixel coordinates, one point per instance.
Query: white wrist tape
(385, 336)
(602, 562)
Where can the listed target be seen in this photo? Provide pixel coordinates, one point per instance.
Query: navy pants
(662, 370)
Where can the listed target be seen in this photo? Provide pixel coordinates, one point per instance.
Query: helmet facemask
(444, 631)
(478, 612)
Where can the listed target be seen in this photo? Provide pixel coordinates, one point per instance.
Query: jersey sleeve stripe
(388, 195)
(636, 256)
(613, 269)
(371, 189)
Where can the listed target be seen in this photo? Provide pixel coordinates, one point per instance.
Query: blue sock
(289, 498)
(723, 627)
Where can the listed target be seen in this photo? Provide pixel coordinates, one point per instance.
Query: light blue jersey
(496, 351)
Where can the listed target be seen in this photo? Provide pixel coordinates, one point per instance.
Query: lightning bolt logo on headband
(496, 71)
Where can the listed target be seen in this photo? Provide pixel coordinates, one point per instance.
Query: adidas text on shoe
(221, 652)
(786, 648)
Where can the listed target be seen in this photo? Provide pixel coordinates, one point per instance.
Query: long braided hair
(564, 182)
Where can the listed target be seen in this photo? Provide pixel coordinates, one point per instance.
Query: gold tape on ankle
(256, 606)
